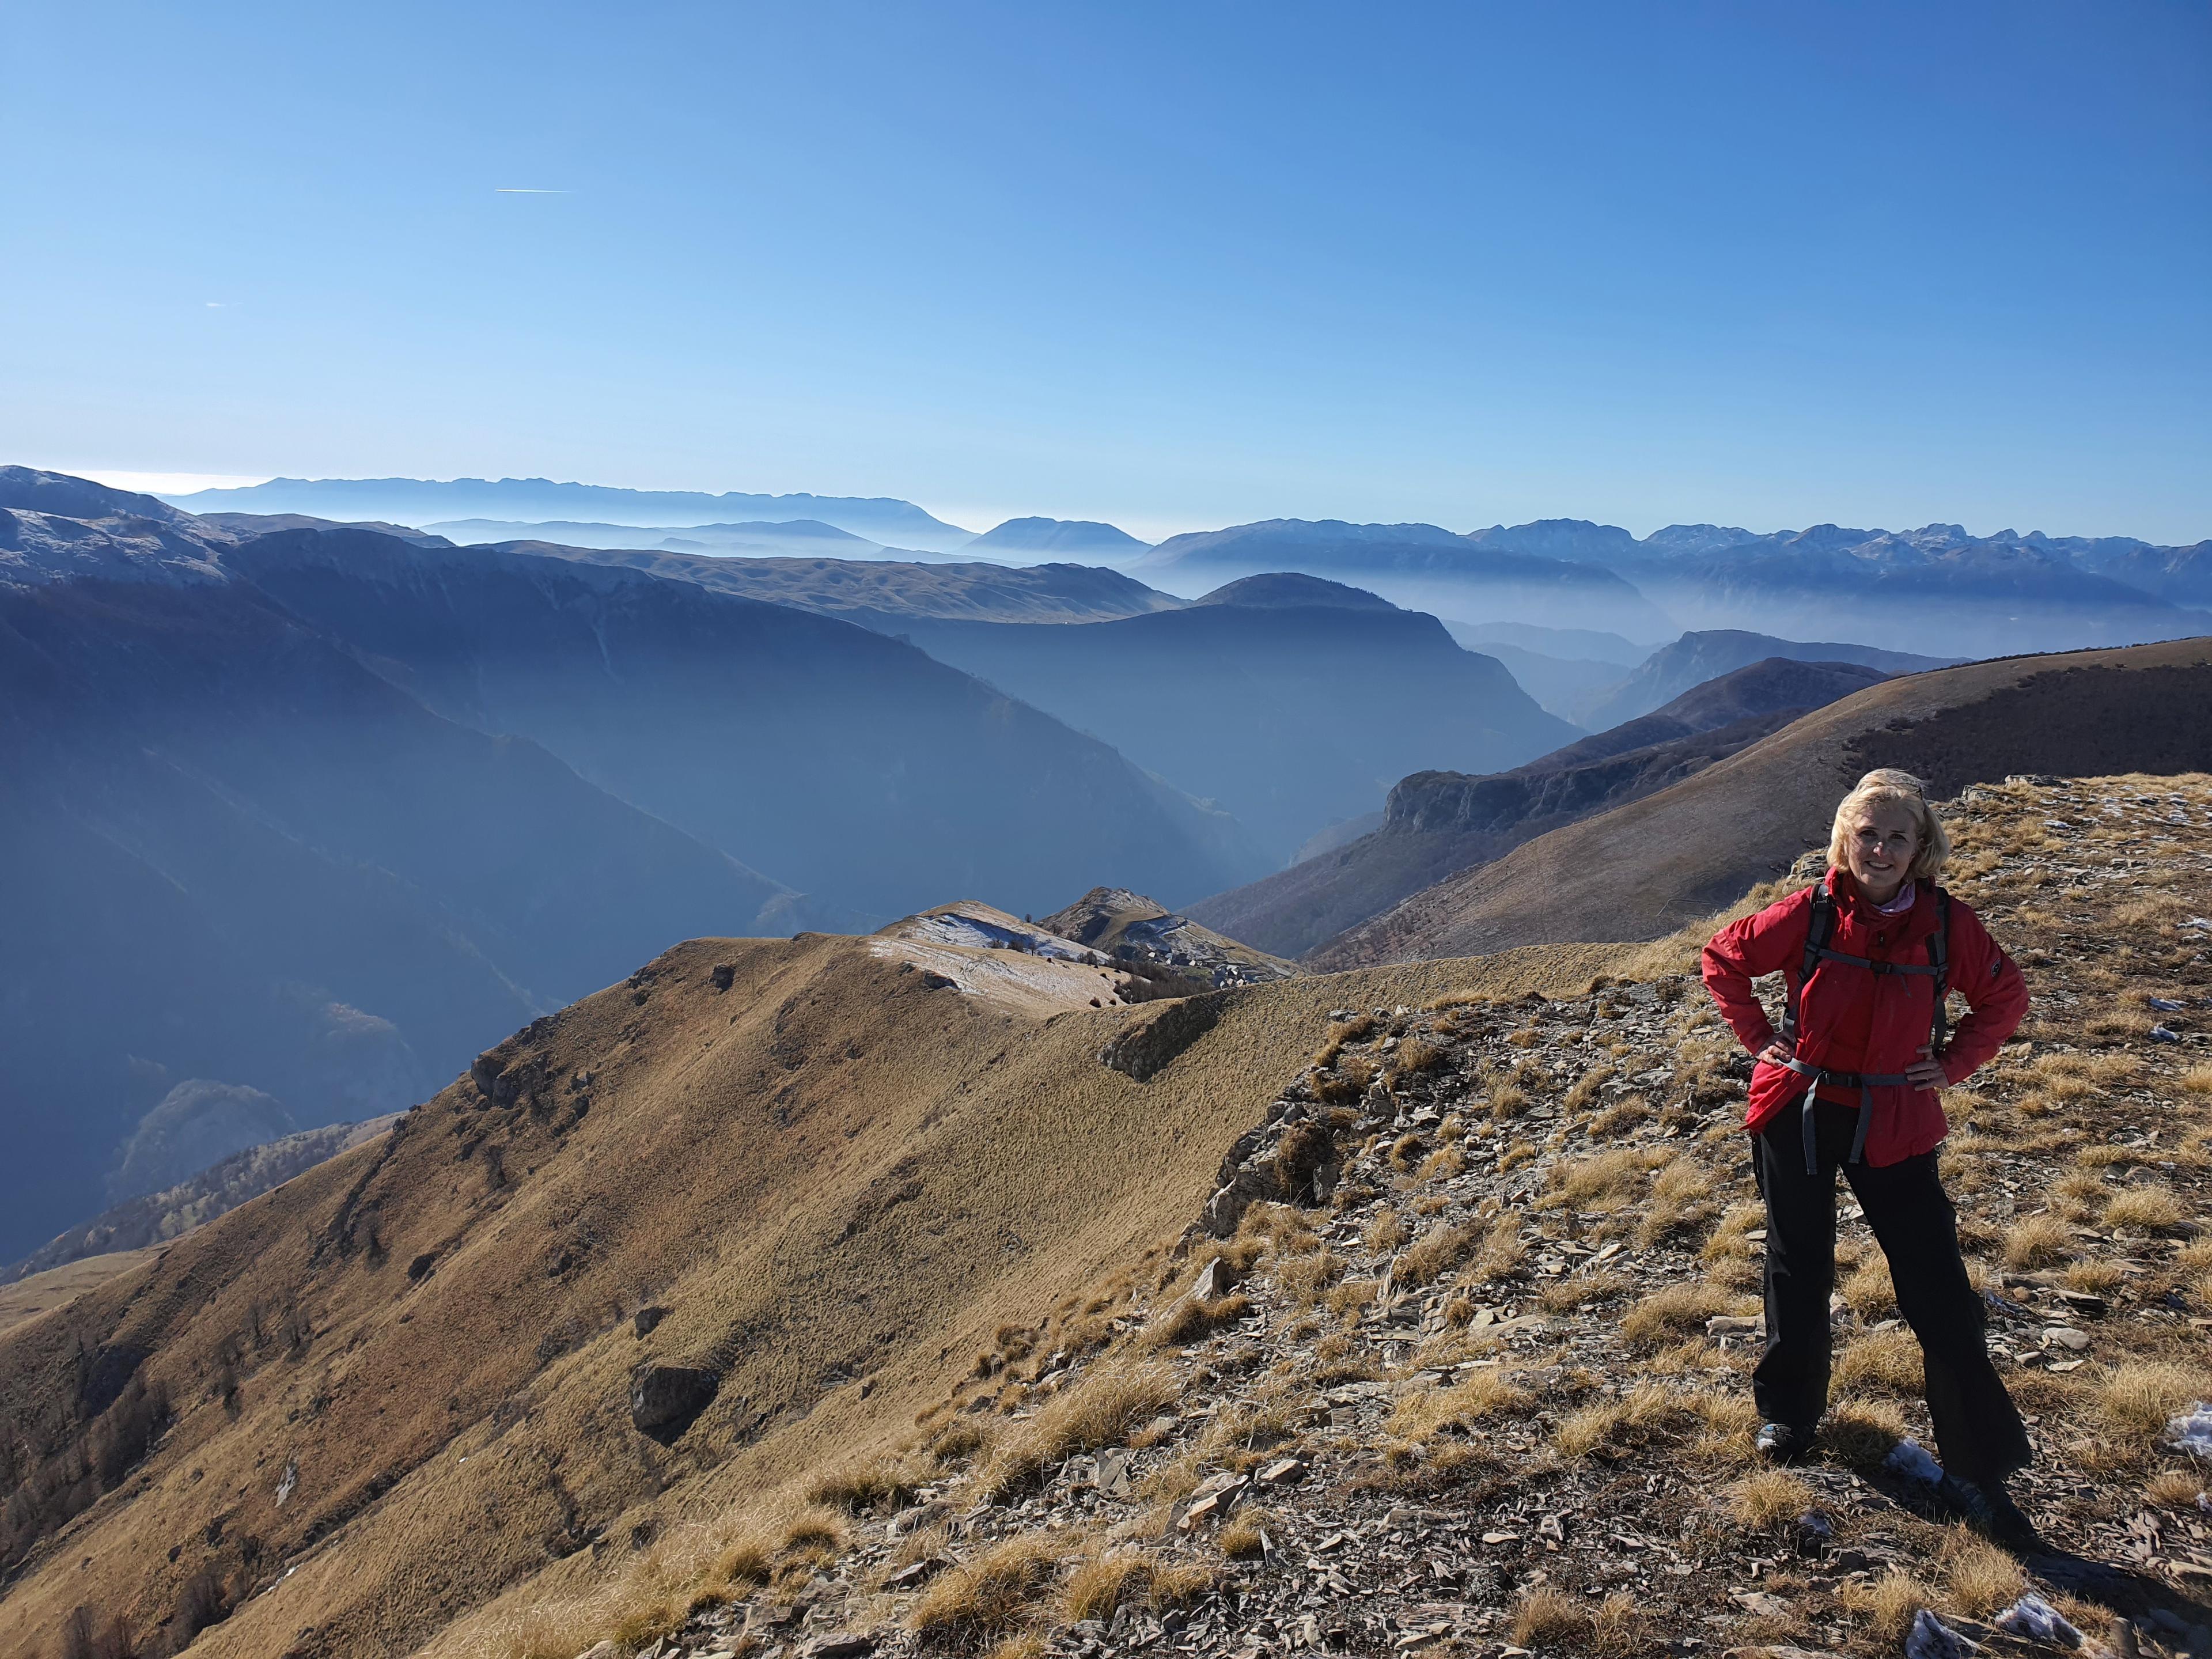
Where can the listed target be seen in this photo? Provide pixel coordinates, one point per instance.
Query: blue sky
(1174, 266)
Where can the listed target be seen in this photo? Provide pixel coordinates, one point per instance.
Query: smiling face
(1879, 851)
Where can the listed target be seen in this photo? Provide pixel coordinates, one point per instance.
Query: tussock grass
(1678, 1200)
(2036, 1240)
(2148, 1209)
(987, 1598)
(1386, 1232)
(1101, 1585)
(2173, 1489)
(1192, 1318)
(2096, 1278)
(1507, 1101)
(1862, 1433)
(1550, 1619)
(1306, 1278)
(1671, 1312)
(1585, 1091)
(1485, 1393)
(1983, 1579)
(880, 1483)
(1624, 1114)
(1889, 1603)
(1442, 1164)
(1727, 1239)
(1888, 1360)
(1417, 1055)
(1648, 1412)
(1582, 1183)
(1245, 1537)
(1097, 1412)
(1768, 1499)
(1502, 1255)
(1436, 1252)
(2137, 1397)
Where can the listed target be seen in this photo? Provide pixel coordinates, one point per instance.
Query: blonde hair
(1880, 788)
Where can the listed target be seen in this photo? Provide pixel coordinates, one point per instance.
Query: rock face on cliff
(1127, 927)
(1438, 822)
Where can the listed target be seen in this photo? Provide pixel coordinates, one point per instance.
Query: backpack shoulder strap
(1939, 956)
(1819, 929)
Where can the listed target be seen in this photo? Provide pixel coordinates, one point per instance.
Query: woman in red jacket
(1849, 1082)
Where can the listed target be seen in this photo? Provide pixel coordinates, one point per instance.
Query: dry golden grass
(2173, 1489)
(1507, 1101)
(1672, 1312)
(1436, 1252)
(987, 1598)
(1181, 1584)
(1888, 1360)
(2036, 1240)
(1097, 1412)
(1728, 1238)
(1983, 1579)
(1624, 1114)
(2146, 1209)
(1581, 1183)
(1647, 1411)
(1677, 1201)
(1863, 1432)
(2197, 1080)
(1386, 1232)
(1417, 1055)
(1246, 1537)
(1484, 1394)
(1192, 1318)
(1101, 1584)
(1770, 1499)
(2094, 1277)
(2137, 1397)
(1550, 1619)
(1503, 1254)
(1889, 1603)
(1307, 1278)
(1586, 1089)
(1442, 1164)
(877, 1483)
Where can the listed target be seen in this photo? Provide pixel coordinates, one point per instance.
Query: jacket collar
(1854, 903)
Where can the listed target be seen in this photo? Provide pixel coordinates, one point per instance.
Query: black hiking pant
(1978, 1433)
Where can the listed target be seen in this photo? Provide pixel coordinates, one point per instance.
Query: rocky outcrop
(1146, 1049)
(665, 1400)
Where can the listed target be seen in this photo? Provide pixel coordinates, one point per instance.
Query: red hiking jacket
(1850, 1020)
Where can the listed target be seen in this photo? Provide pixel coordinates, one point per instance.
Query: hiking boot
(1990, 1511)
(1783, 1442)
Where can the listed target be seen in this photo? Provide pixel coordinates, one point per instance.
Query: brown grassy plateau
(1646, 868)
(36, 1293)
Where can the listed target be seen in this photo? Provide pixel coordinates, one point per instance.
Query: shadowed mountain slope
(840, 1171)
(227, 851)
(1290, 717)
(854, 767)
(1438, 822)
(1641, 869)
(799, 539)
(881, 594)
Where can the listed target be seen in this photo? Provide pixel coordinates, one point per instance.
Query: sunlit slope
(1641, 870)
(839, 1174)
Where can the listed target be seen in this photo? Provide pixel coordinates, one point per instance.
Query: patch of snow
(2192, 1431)
(2033, 1617)
(1908, 1457)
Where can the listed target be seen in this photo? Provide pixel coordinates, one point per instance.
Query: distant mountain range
(1414, 565)
(1694, 658)
(539, 500)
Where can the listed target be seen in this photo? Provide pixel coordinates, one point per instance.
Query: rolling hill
(1288, 716)
(1437, 823)
(1061, 538)
(1643, 868)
